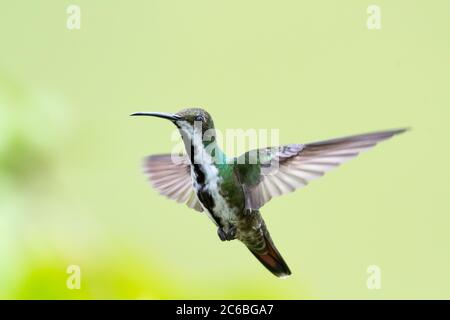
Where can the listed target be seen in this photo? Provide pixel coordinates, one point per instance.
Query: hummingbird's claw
(228, 235)
(222, 234)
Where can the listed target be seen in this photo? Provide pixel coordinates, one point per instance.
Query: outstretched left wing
(270, 172)
(171, 176)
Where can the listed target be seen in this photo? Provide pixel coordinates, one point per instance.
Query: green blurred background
(71, 188)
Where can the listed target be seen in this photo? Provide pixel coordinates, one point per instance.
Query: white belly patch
(212, 178)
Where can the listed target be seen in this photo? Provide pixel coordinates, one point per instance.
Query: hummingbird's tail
(271, 258)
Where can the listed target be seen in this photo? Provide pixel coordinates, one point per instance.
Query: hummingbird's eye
(198, 118)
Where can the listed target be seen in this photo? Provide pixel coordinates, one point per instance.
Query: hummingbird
(232, 190)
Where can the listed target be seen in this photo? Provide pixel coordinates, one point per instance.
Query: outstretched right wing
(171, 176)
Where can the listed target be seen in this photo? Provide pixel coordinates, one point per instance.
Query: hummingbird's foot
(228, 235)
(222, 234)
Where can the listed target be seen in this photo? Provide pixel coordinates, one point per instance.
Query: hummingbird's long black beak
(168, 116)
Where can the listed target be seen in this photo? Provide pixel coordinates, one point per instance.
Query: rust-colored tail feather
(272, 259)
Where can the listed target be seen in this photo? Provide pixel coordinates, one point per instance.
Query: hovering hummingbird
(231, 191)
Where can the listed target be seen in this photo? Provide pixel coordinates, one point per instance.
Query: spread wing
(266, 173)
(171, 176)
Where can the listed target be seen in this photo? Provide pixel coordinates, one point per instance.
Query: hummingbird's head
(196, 117)
(190, 117)
(195, 125)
